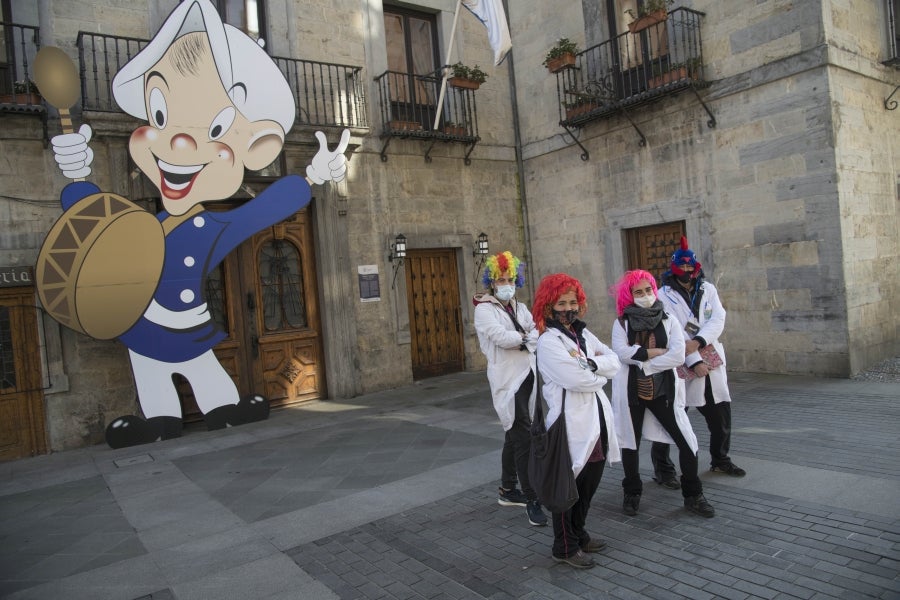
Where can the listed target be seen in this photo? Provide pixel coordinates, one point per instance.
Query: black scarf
(576, 334)
(644, 319)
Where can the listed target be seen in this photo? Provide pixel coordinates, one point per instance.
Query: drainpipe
(520, 164)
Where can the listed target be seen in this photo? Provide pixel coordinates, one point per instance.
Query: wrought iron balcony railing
(17, 89)
(632, 69)
(409, 106)
(326, 94)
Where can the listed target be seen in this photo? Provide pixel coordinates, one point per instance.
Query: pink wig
(551, 288)
(622, 289)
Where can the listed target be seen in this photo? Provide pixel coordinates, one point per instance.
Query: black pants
(664, 411)
(568, 527)
(517, 443)
(718, 421)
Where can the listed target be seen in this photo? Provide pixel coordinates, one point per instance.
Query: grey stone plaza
(393, 495)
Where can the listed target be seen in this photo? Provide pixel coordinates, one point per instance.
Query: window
(634, 52)
(281, 281)
(246, 15)
(893, 20)
(413, 62)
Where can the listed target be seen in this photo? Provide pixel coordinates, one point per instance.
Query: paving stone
(384, 504)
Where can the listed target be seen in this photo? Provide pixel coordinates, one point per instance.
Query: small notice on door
(369, 286)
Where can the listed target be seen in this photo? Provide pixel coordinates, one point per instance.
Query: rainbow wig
(500, 263)
(551, 288)
(622, 289)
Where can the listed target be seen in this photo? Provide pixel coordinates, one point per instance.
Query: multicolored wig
(549, 291)
(500, 263)
(621, 291)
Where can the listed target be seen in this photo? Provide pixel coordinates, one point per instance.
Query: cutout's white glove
(72, 153)
(327, 165)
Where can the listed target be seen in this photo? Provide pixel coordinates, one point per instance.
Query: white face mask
(645, 301)
(504, 293)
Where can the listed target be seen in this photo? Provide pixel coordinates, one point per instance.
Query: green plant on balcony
(561, 55)
(25, 86)
(650, 13)
(451, 128)
(579, 107)
(24, 92)
(666, 72)
(466, 77)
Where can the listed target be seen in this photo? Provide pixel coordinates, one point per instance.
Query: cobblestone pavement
(886, 371)
(392, 496)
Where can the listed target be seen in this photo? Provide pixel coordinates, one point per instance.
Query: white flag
(490, 12)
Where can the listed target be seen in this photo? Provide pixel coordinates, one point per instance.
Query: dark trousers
(664, 411)
(718, 421)
(517, 443)
(568, 527)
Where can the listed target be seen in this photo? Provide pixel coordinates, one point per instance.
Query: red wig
(549, 291)
(621, 291)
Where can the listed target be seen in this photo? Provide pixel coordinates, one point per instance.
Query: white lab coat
(673, 357)
(558, 362)
(508, 366)
(712, 323)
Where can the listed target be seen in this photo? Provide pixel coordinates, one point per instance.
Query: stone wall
(787, 200)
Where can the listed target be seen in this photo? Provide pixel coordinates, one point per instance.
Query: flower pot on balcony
(648, 20)
(405, 126)
(466, 84)
(457, 130)
(668, 77)
(22, 98)
(580, 109)
(564, 61)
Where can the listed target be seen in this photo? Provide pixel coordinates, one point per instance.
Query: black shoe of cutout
(249, 409)
(131, 430)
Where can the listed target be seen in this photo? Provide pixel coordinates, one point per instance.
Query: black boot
(249, 409)
(132, 430)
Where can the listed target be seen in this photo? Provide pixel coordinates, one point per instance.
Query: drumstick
(57, 79)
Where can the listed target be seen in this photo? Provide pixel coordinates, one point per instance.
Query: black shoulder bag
(549, 461)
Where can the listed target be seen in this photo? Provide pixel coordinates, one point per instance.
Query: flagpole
(446, 72)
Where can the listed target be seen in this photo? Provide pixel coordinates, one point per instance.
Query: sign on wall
(369, 286)
(16, 276)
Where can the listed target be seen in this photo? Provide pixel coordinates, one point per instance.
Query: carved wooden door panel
(651, 248)
(432, 284)
(22, 428)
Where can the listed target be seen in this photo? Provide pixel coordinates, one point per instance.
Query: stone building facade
(791, 199)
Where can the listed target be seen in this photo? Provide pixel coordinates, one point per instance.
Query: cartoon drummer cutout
(215, 104)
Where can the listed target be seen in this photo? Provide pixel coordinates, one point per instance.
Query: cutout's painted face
(197, 143)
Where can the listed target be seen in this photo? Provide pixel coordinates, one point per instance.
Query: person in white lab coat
(575, 365)
(507, 336)
(648, 397)
(694, 302)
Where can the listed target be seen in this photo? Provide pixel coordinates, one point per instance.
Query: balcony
(409, 106)
(17, 92)
(616, 76)
(326, 94)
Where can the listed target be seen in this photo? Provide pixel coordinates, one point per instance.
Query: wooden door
(22, 427)
(435, 314)
(651, 248)
(284, 330)
(264, 295)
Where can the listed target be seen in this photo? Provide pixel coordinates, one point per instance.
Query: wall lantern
(398, 253)
(480, 253)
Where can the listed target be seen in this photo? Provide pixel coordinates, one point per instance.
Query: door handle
(254, 342)
(251, 301)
